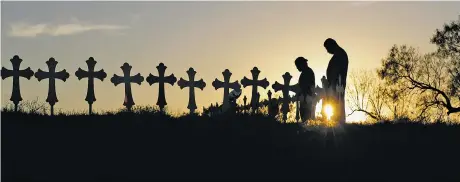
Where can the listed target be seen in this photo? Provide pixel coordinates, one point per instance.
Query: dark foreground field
(148, 147)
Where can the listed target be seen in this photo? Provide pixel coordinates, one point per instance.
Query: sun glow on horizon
(329, 111)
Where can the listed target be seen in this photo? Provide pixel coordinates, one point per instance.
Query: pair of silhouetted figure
(336, 69)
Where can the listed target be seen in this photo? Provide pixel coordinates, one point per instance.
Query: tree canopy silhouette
(448, 42)
(434, 76)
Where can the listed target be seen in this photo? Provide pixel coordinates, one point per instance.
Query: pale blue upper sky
(208, 36)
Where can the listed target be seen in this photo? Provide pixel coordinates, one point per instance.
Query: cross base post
(52, 110)
(90, 109)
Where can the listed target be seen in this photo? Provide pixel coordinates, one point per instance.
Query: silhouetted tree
(435, 76)
(382, 102)
(366, 94)
(427, 75)
(448, 43)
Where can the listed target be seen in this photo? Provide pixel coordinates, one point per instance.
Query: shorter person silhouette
(306, 84)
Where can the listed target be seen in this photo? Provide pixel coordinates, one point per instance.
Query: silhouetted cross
(269, 93)
(254, 83)
(90, 74)
(320, 94)
(297, 106)
(191, 84)
(161, 80)
(52, 75)
(325, 94)
(272, 106)
(340, 89)
(244, 102)
(226, 85)
(286, 88)
(127, 80)
(16, 73)
(257, 99)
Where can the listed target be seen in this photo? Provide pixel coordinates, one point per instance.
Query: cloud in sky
(33, 30)
(363, 3)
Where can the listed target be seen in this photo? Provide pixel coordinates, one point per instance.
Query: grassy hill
(148, 146)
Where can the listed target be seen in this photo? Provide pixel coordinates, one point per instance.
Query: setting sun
(329, 112)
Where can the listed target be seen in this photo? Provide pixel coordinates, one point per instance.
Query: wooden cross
(127, 80)
(269, 93)
(257, 99)
(286, 88)
(90, 74)
(245, 99)
(218, 108)
(226, 85)
(325, 93)
(161, 80)
(320, 95)
(340, 89)
(16, 73)
(324, 82)
(272, 107)
(296, 98)
(191, 84)
(52, 75)
(254, 83)
(297, 106)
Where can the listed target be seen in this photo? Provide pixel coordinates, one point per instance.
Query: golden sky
(208, 36)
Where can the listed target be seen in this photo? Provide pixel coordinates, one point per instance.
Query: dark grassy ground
(148, 147)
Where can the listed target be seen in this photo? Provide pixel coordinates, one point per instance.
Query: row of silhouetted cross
(127, 79)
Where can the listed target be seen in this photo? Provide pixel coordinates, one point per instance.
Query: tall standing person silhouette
(338, 65)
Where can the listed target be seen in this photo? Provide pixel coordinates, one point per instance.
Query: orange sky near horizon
(208, 36)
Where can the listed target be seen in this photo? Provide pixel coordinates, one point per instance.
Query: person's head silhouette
(331, 45)
(301, 63)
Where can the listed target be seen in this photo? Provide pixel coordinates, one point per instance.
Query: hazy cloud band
(34, 30)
